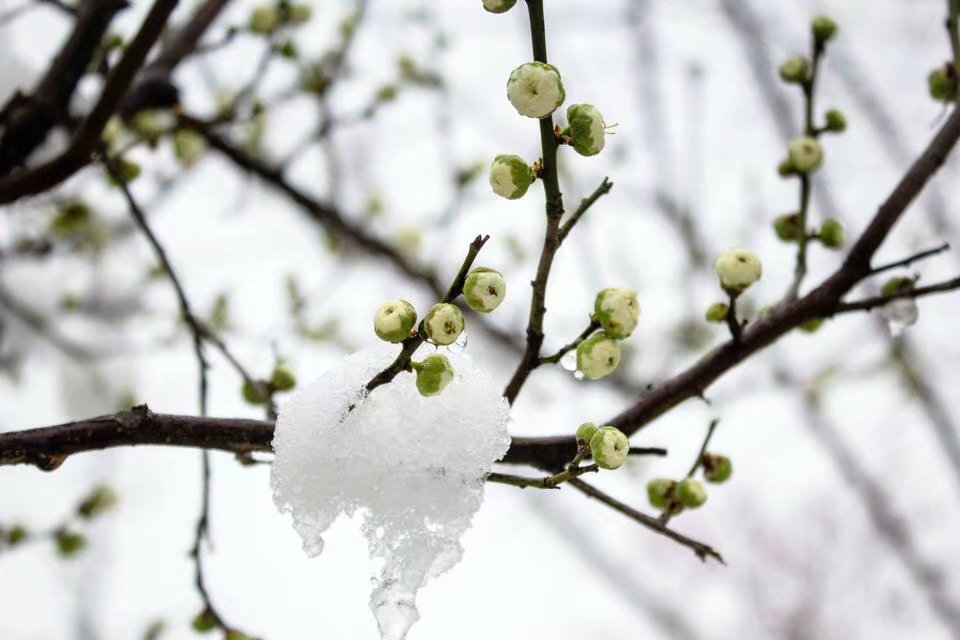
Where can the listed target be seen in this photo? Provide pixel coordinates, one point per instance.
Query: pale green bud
(717, 312)
(896, 285)
(585, 433)
(823, 28)
(717, 468)
(510, 176)
(587, 130)
(609, 447)
(188, 146)
(598, 356)
(788, 227)
(254, 392)
(484, 289)
(299, 13)
(498, 6)
(394, 320)
(102, 499)
(795, 70)
(831, 234)
(433, 374)
(836, 121)
(264, 19)
(737, 269)
(805, 154)
(283, 377)
(443, 323)
(690, 493)
(617, 311)
(535, 89)
(944, 83)
(660, 492)
(811, 326)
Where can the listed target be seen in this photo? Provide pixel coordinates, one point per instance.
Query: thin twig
(879, 301)
(585, 205)
(548, 482)
(564, 350)
(906, 262)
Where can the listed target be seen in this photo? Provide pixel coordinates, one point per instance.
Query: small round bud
(264, 19)
(609, 447)
(617, 311)
(433, 374)
(896, 285)
(17, 534)
(535, 89)
(188, 146)
(299, 13)
(831, 234)
(690, 493)
(253, 392)
(805, 154)
(836, 121)
(498, 6)
(598, 356)
(443, 323)
(69, 543)
(484, 289)
(283, 377)
(788, 227)
(510, 176)
(585, 433)
(204, 621)
(944, 84)
(101, 500)
(394, 320)
(737, 269)
(717, 468)
(795, 70)
(587, 129)
(811, 326)
(823, 28)
(786, 169)
(660, 491)
(717, 312)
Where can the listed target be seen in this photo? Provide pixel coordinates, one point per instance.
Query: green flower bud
(717, 468)
(510, 176)
(188, 146)
(97, 502)
(443, 323)
(433, 374)
(394, 320)
(660, 491)
(811, 326)
(836, 121)
(737, 269)
(253, 392)
(299, 13)
(264, 19)
(204, 621)
(598, 356)
(786, 168)
(896, 285)
(535, 89)
(831, 234)
(805, 154)
(233, 634)
(387, 93)
(609, 447)
(585, 433)
(788, 227)
(587, 129)
(283, 377)
(73, 217)
(690, 493)
(944, 83)
(823, 28)
(717, 312)
(129, 171)
(795, 70)
(498, 6)
(17, 534)
(484, 289)
(69, 543)
(617, 311)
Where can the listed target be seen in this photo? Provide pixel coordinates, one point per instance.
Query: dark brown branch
(83, 145)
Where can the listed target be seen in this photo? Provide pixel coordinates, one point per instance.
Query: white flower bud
(598, 356)
(617, 311)
(443, 323)
(498, 6)
(484, 289)
(535, 89)
(609, 447)
(587, 129)
(395, 320)
(805, 154)
(510, 176)
(737, 269)
(433, 374)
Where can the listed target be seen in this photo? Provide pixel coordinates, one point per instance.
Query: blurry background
(841, 519)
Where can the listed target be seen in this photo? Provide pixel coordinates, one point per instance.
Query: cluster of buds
(609, 447)
(282, 378)
(267, 18)
(617, 312)
(673, 496)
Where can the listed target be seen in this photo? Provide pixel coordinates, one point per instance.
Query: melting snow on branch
(413, 466)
